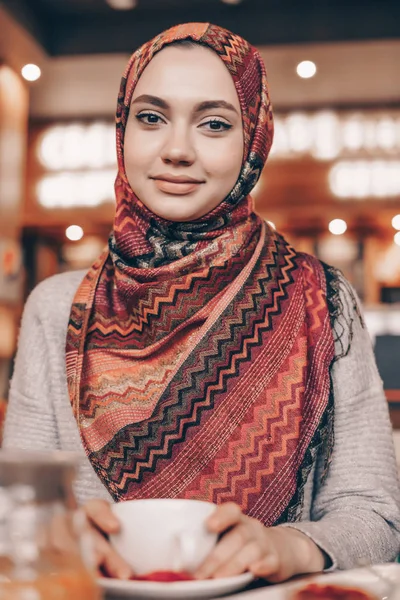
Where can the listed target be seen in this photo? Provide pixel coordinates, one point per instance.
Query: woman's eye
(149, 118)
(216, 125)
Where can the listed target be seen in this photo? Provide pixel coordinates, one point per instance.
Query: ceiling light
(306, 69)
(74, 233)
(231, 1)
(396, 222)
(122, 4)
(337, 226)
(31, 72)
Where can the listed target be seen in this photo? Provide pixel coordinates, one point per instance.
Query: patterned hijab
(198, 354)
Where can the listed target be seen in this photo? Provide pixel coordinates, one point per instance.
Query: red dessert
(315, 591)
(165, 576)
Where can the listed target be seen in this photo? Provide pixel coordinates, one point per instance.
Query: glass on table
(44, 544)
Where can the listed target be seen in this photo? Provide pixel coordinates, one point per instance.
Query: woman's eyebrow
(201, 107)
(154, 100)
(211, 104)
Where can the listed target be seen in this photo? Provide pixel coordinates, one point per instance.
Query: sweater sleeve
(30, 422)
(355, 514)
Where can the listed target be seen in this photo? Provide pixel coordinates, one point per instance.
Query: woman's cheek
(220, 161)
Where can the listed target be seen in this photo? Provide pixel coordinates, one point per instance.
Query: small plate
(376, 580)
(207, 588)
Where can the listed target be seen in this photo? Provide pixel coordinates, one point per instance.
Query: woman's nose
(178, 147)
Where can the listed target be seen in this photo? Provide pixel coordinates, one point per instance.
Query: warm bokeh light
(31, 72)
(122, 4)
(365, 178)
(396, 222)
(299, 132)
(78, 146)
(396, 238)
(74, 233)
(231, 1)
(306, 69)
(337, 226)
(68, 189)
(271, 224)
(336, 249)
(328, 134)
(326, 139)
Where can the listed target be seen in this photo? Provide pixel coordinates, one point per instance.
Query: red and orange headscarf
(198, 354)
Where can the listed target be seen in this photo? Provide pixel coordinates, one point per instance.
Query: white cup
(163, 534)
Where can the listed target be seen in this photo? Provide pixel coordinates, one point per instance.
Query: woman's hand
(103, 522)
(273, 553)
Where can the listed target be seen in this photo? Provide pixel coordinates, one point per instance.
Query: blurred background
(331, 186)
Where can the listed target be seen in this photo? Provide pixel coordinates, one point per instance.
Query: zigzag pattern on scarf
(198, 354)
(162, 308)
(242, 462)
(125, 363)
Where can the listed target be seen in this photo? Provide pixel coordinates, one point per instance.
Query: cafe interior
(331, 185)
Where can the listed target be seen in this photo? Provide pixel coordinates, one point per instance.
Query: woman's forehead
(186, 73)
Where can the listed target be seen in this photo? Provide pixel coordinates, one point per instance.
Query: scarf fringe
(343, 305)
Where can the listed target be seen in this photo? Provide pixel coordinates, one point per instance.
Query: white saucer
(375, 580)
(207, 588)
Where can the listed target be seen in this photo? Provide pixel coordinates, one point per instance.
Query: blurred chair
(387, 352)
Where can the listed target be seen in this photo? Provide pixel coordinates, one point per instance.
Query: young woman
(204, 357)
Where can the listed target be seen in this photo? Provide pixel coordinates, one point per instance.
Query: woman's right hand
(103, 522)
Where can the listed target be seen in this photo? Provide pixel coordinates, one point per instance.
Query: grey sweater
(353, 516)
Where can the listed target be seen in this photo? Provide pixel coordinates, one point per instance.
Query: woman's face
(184, 137)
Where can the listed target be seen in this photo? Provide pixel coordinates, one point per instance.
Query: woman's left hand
(273, 553)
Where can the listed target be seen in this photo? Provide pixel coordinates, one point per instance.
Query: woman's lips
(177, 188)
